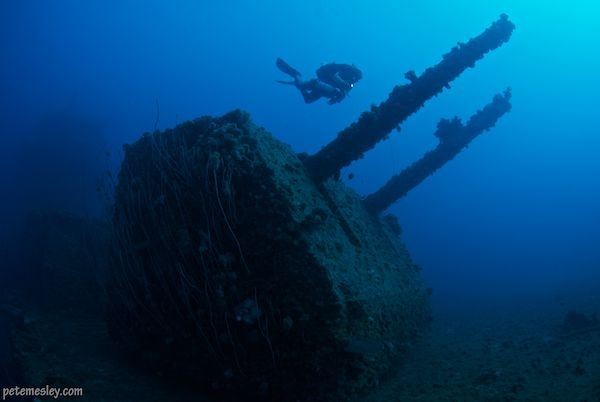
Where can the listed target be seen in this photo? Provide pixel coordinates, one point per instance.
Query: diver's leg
(310, 96)
(307, 89)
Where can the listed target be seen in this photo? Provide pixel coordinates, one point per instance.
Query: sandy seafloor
(517, 352)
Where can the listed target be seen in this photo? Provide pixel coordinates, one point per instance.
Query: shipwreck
(243, 268)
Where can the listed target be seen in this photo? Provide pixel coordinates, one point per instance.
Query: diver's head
(354, 75)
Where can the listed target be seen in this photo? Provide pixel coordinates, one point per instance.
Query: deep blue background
(514, 216)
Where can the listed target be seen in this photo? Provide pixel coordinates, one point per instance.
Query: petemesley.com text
(47, 391)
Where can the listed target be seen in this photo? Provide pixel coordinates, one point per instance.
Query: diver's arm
(339, 81)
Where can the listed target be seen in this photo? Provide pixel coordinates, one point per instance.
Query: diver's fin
(286, 68)
(286, 82)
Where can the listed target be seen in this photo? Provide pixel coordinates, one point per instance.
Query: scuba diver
(334, 81)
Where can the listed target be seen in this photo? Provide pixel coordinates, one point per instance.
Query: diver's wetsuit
(333, 81)
(314, 89)
(342, 76)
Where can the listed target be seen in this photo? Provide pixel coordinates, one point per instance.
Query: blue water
(514, 215)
